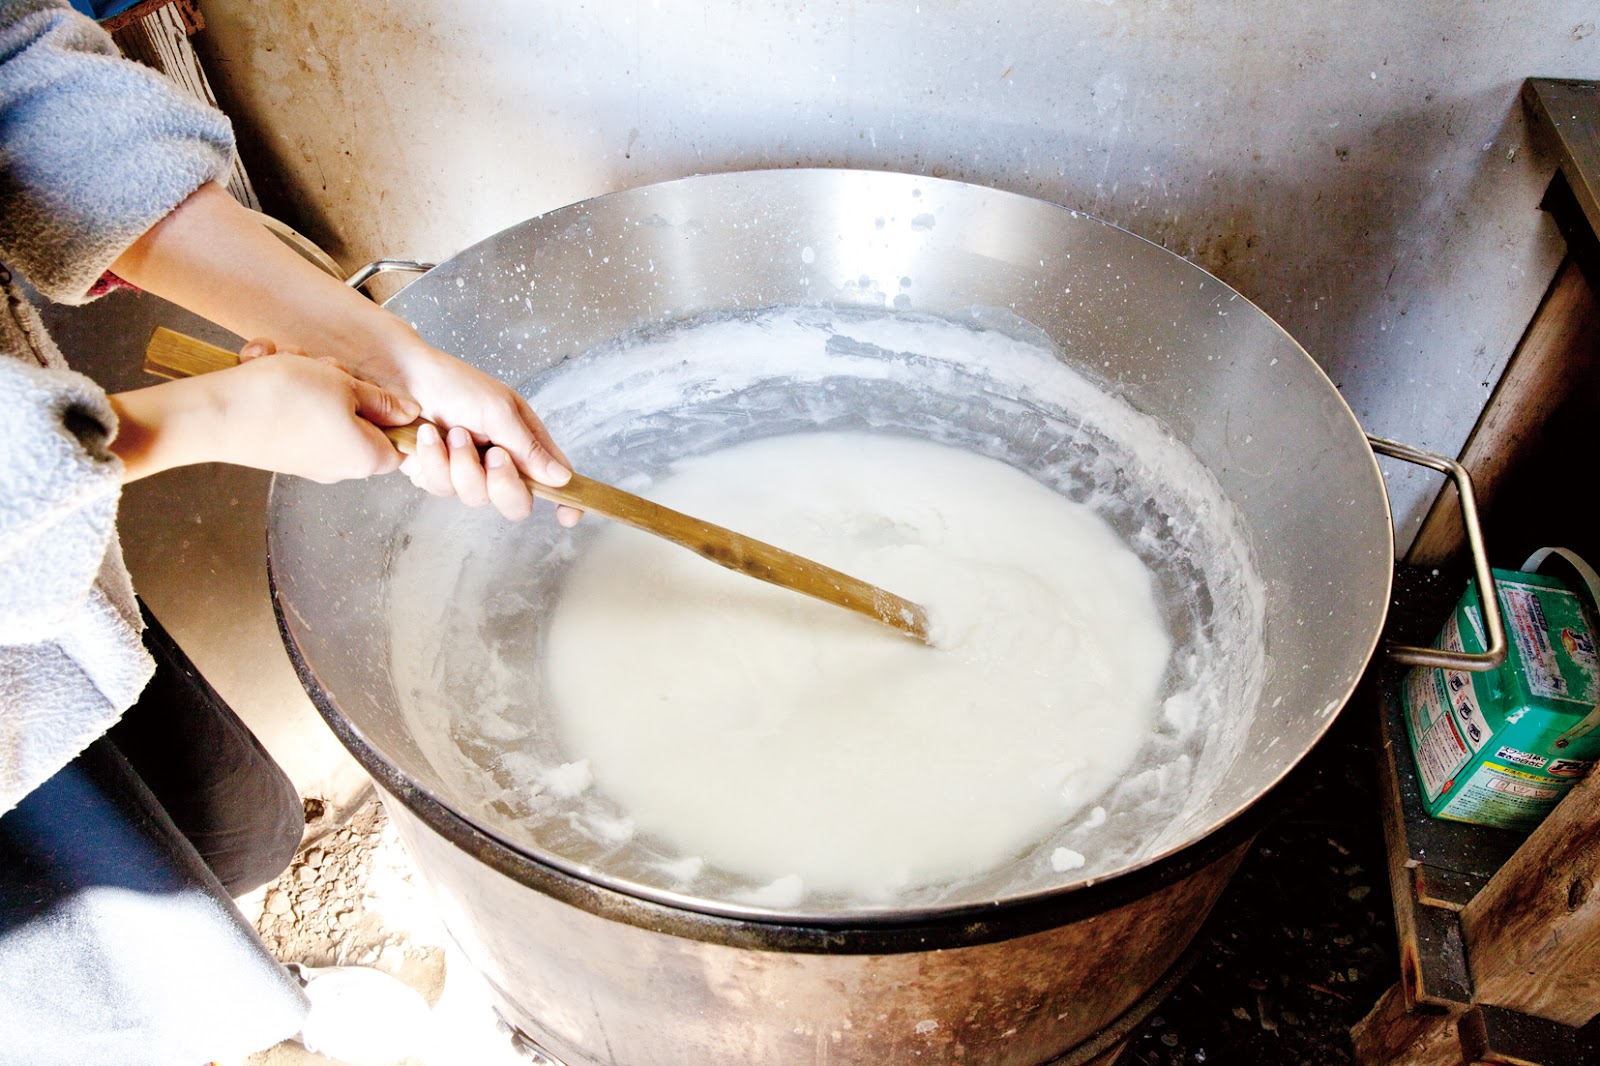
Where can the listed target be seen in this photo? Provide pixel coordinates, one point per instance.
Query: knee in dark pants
(263, 842)
(221, 788)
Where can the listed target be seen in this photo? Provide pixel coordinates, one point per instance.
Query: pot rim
(845, 932)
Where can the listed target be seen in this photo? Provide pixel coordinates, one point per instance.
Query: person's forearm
(214, 258)
(167, 425)
(280, 412)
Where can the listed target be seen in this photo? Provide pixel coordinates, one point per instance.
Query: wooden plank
(1395, 1035)
(188, 10)
(1559, 353)
(1507, 1038)
(1433, 969)
(1435, 962)
(1566, 117)
(1439, 871)
(1533, 932)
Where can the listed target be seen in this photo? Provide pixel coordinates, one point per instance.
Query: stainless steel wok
(601, 965)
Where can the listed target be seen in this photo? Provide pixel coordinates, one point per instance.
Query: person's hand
(284, 411)
(212, 256)
(279, 411)
(473, 410)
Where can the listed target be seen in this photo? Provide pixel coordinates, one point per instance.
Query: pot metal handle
(302, 244)
(1495, 654)
(385, 266)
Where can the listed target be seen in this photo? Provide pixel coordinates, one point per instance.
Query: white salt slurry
(978, 473)
(783, 739)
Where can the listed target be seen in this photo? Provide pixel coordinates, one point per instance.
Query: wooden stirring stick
(174, 355)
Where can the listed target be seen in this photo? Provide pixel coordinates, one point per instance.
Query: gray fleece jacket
(93, 151)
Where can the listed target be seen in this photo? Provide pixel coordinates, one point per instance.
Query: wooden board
(1534, 939)
(1495, 1035)
(1433, 966)
(1394, 1034)
(1438, 887)
(1534, 930)
(1565, 117)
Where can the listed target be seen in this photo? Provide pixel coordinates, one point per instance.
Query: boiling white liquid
(798, 744)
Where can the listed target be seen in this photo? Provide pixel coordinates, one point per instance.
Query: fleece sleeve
(59, 484)
(94, 149)
(70, 656)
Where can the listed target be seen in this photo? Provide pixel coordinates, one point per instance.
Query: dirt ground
(352, 898)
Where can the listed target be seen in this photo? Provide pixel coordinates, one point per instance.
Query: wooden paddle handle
(174, 355)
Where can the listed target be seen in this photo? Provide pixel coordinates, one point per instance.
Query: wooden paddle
(174, 355)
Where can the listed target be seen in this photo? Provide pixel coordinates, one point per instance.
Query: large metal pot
(603, 969)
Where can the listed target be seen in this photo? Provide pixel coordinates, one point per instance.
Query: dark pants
(209, 772)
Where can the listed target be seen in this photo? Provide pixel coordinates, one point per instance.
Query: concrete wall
(1358, 168)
